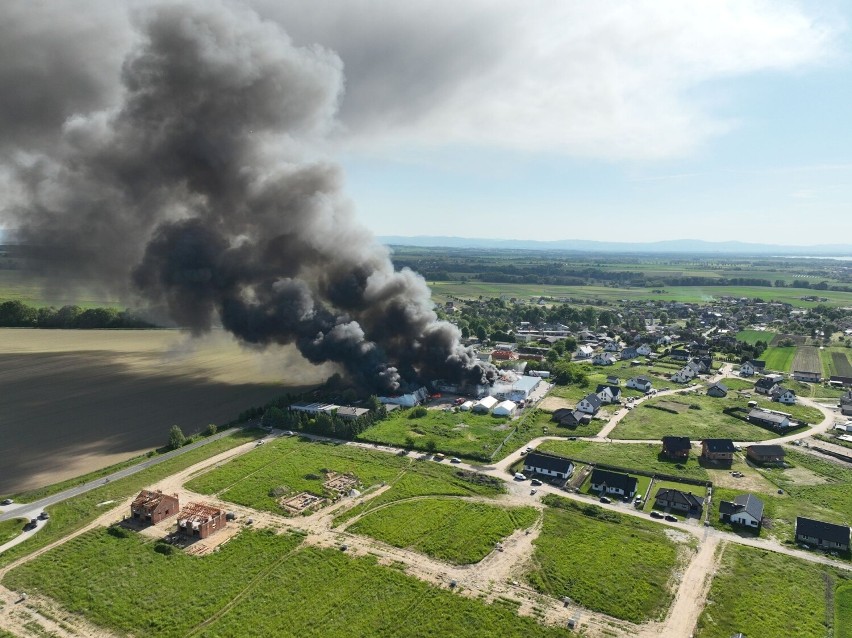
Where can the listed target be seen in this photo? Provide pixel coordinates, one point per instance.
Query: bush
(164, 548)
(211, 430)
(694, 406)
(418, 412)
(117, 531)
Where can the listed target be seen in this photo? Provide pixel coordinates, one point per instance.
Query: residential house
(201, 520)
(679, 355)
(679, 500)
(765, 385)
(628, 353)
(604, 359)
(717, 390)
(613, 380)
(642, 384)
(676, 447)
(783, 395)
(584, 352)
(590, 404)
(664, 340)
(153, 507)
(718, 450)
(821, 534)
(766, 419)
(765, 453)
(548, 465)
(609, 482)
(570, 418)
(685, 374)
(644, 350)
(745, 510)
(613, 346)
(752, 367)
(609, 393)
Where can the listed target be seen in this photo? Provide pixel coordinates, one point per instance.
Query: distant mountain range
(579, 245)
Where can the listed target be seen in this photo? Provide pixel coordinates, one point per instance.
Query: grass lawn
(638, 456)
(738, 384)
(11, 529)
(453, 530)
(843, 611)
(753, 336)
(618, 565)
(464, 434)
(762, 593)
(779, 358)
(288, 465)
(71, 515)
(274, 588)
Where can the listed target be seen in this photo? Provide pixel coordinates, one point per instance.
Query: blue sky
(736, 119)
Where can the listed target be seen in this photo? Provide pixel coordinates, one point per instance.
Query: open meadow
(259, 580)
(762, 593)
(779, 358)
(643, 557)
(75, 400)
(751, 337)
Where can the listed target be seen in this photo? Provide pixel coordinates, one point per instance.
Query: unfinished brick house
(153, 507)
(200, 520)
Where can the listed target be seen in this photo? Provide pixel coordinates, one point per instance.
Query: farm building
(821, 534)
(548, 465)
(484, 405)
(765, 453)
(639, 383)
(718, 450)
(198, 519)
(590, 404)
(717, 390)
(505, 408)
(745, 510)
(679, 500)
(608, 393)
(807, 376)
(466, 406)
(676, 447)
(767, 419)
(153, 507)
(614, 483)
(842, 381)
(408, 400)
(314, 408)
(570, 418)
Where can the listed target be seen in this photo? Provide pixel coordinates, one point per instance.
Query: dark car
(671, 518)
(604, 499)
(6, 501)
(535, 482)
(655, 514)
(31, 525)
(44, 516)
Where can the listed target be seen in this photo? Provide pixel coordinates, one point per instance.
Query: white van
(520, 477)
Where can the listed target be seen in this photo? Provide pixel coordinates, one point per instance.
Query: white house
(644, 350)
(665, 340)
(639, 383)
(750, 368)
(590, 404)
(484, 405)
(784, 395)
(745, 509)
(604, 359)
(608, 393)
(584, 352)
(613, 346)
(684, 375)
(548, 465)
(504, 408)
(614, 483)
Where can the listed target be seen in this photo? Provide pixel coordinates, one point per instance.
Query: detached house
(570, 418)
(608, 393)
(765, 385)
(821, 534)
(613, 346)
(679, 355)
(628, 353)
(590, 404)
(201, 520)
(678, 500)
(783, 395)
(765, 453)
(752, 367)
(717, 390)
(644, 350)
(676, 447)
(639, 383)
(608, 482)
(745, 510)
(153, 507)
(718, 450)
(769, 419)
(604, 359)
(584, 352)
(548, 465)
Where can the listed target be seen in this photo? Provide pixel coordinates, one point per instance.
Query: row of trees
(16, 314)
(323, 424)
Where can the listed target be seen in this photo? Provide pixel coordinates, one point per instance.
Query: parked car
(605, 499)
(31, 525)
(6, 501)
(44, 516)
(671, 518)
(520, 477)
(455, 459)
(535, 482)
(533, 491)
(655, 514)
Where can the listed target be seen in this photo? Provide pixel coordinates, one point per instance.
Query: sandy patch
(551, 404)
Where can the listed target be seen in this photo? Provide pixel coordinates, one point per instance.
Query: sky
(554, 119)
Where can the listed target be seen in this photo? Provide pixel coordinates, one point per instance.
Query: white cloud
(594, 79)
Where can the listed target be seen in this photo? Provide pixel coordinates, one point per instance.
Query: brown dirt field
(552, 404)
(72, 401)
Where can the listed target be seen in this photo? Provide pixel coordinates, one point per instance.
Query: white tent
(467, 405)
(505, 408)
(484, 404)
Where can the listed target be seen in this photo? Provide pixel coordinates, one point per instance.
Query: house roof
(767, 417)
(644, 380)
(593, 399)
(548, 462)
(676, 443)
(766, 450)
(615, 479)
(719, 446)
(678, 496)
(751, 504)
(719, 385)
(765, 383)
(567, 415)
(822, 530)
(614, 389)
(147, 500)
(757, 363)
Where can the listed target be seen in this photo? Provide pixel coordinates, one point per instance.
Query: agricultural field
(114, 394)
(289, 466)
(453, 530)
(463, 434)
(807, 360)
(748, 596)
(779, 359)
(71, 515)
(638, 456)
(753, 336)
(628, 565)
(258, 580)
(835, 362)
(794, 340)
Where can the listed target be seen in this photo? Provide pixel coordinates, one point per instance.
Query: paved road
(33, 509)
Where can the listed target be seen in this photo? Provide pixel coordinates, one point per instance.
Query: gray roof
(748, 503)
(767, 417)
(548, 462)
(594, 399)
(678, 496)
(675, 443)
(624, 482)
(822, 530)
(616, 390)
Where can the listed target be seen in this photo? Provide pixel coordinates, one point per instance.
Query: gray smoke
(192, 191)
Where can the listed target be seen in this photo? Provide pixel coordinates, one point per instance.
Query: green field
(618, 565)
(260, 584)
(464, 434)
(453, 530)
(11, 529)
(639, 456)
(71, 515)
(763, 593)
(753, 336)
(843, 611)
(779, 358)
(289, 466)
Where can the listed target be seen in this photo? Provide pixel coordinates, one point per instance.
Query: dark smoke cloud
(191, 191)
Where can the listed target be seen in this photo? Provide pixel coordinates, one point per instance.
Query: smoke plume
(191, 191)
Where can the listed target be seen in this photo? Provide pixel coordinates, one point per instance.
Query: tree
(211, 429)
(176, 437)
(431, 446)
(273, 418)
